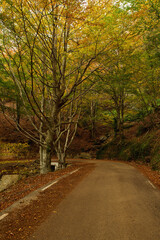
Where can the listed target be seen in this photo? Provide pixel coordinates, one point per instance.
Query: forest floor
(20, 223)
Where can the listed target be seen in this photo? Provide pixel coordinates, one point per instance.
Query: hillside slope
(141, 142)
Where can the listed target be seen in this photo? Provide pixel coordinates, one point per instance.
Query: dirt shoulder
(20, 223)
(153, 176)
(29, 184)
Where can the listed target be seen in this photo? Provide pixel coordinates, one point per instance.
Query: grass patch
(16, 161)
(15, 150)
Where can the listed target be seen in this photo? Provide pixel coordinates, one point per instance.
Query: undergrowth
(145, 149)
(16, 150)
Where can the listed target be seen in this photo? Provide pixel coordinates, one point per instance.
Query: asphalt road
(114, 202)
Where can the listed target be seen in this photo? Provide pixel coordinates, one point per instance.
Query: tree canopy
(55, 54)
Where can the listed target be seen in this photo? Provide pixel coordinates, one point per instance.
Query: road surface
(114, 202)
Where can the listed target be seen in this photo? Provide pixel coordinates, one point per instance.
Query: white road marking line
(3, 216)
(152, 184)
(74, 171)
(49, 186)
(58, 180)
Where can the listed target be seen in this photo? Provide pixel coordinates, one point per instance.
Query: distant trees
(131, 79)
(146, 63)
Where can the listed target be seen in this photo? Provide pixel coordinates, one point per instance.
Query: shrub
(17, 150)
(111, 150)
(141, 130)
(139, 150)
(155, 162)
(125, 154)
(85, 155)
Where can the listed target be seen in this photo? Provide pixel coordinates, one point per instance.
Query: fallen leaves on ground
(154, 176)
(20, 223)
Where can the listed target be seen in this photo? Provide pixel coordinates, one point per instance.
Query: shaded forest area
(80, 79)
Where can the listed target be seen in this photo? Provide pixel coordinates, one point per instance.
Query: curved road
(114, 202)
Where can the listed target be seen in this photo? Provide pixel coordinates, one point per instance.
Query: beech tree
(66, 130)
(49, 48)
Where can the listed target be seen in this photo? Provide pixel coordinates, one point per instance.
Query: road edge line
(151, 184)
(3, 216)
(49, 185)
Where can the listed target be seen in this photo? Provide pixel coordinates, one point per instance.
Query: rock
(85, 155)
(8, 180)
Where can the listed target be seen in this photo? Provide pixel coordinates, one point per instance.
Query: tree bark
(45, 160)
(45, 154)
(61, 160)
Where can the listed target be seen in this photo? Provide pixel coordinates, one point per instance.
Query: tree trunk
(45, 160)
(115, 126)
(61, 160)
(93, 114)
(119, 124)
(18, 110)
(45, 155)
